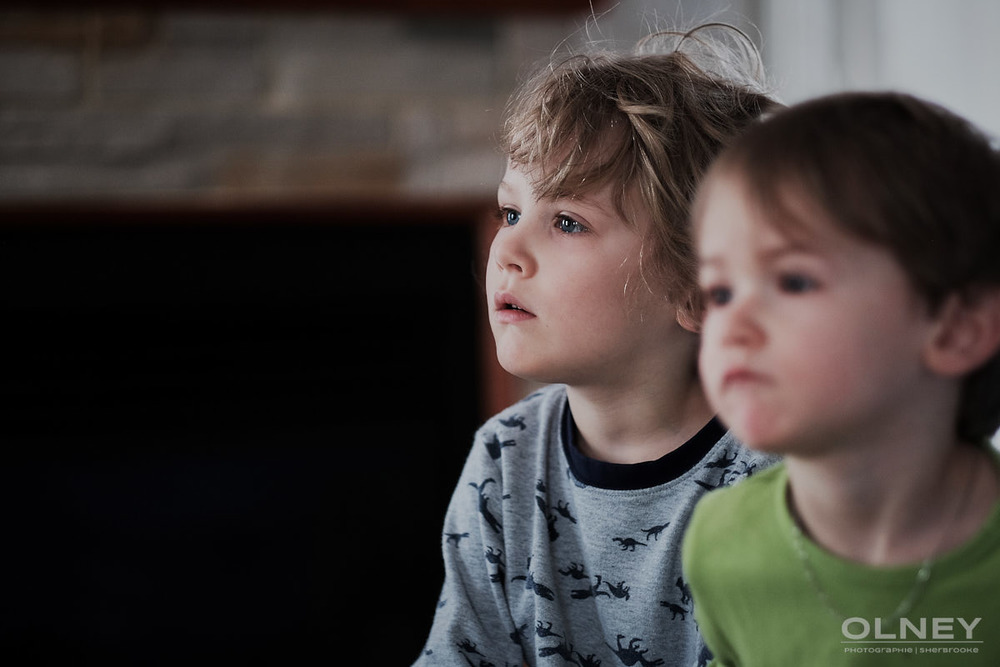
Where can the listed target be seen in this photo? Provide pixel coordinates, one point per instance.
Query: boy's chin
(766, 447)
(526, 373)
(763, 442)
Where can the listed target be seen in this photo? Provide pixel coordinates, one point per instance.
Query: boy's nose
(510, 252)
(741, 325)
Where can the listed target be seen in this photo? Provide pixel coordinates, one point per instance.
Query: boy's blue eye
(509, 216)
(796, 283)
(569, 225)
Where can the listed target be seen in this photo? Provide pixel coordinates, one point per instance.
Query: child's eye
(509, 216)
(796, 283)
(717, 296)
(568, 225)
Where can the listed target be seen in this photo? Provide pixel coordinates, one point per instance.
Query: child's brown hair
(902, 173)
(648, 123)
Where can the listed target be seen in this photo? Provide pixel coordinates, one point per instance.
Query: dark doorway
(231, 434)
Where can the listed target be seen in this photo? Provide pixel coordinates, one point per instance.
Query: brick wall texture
(235, 105)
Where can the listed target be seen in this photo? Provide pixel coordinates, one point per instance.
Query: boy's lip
(741, 375)
(509, 307)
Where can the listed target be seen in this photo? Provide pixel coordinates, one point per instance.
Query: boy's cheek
(709, 376)
(489, 282)
(707, 354)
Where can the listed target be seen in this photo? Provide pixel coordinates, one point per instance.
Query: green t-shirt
(756, 604)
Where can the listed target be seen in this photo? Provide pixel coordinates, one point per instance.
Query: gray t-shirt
(554, 558)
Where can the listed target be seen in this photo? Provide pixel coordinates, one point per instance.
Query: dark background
(230, 435)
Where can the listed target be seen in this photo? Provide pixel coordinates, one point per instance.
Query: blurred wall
(236, 105)
(230, 105)
(227, 104)
(945, 51)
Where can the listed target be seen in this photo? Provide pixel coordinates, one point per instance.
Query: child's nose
(742, 324)
(511, 252)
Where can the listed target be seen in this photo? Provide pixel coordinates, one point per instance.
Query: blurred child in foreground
(850, 265)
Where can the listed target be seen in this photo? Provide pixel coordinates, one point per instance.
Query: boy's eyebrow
(710, 260)
(769, 254)
(585, 200)
(786, 248)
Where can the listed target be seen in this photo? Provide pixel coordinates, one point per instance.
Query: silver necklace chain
(902, 609)
(919, 583)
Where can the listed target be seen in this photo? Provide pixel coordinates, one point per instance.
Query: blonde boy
(561, 543)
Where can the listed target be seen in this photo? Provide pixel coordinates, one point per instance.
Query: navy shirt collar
(633, 476)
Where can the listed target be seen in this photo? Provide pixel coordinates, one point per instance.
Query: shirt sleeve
(472, 623)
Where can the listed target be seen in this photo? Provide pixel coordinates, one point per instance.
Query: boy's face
(561, 289)
(807, 340)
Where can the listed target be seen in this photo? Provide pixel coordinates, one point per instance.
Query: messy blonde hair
(648, 123)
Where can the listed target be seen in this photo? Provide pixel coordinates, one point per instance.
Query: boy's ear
(967, 334)
(688, 319)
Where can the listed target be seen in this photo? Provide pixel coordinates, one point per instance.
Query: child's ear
(967, 334)
(688, 319)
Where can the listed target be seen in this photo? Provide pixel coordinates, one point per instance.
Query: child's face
(806, 340)
(561, 288)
